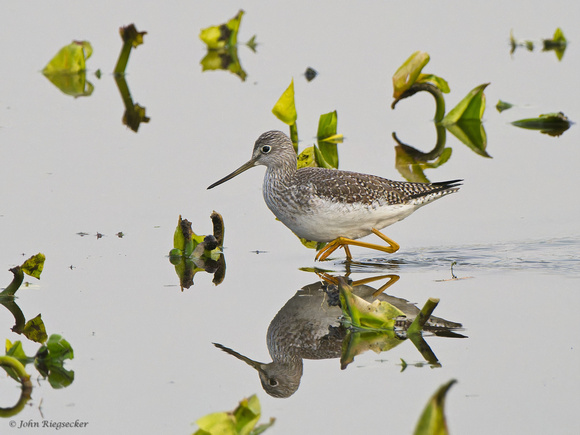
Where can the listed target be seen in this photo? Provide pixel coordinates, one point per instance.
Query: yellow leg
(343, 242)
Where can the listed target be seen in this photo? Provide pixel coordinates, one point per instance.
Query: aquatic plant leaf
(224, 35)
(432, 420)
(240, 421)
(285, 107)
(558, 43)
(34, 265)
(70, 59)
(193, 253)
(408, 72)
(17, 351)
(35, 330)
(470, 108)
(364, 315)
(75, 85)
(184, 239)
(247, 414)
(327, 125)
(358, 342)
(327, 153)
(502, 105)
(412, 169)
(307, 158)
(252, 44)
(553, 124)
(216, 423)
(131, 35)
(321, 156)
(514, 43)
(59, 349)
(311, 244)
(472, 134)
(225, 59)
(50, 358)
(439, 82)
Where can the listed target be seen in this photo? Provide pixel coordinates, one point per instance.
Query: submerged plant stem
(123, 59)
(423, 316)
(16, 282)
(433, 90)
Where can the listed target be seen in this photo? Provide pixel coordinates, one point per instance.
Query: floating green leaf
(66, 70)
(192, 253)
(321, 156)
(70, 59)
(307, 158)
(437, 81)
(285, 111)
(515, 43)
(502, 105)
(224, 35)
(358, 342)
(15, 350)
(222, 45)
(224, 59)
(408, 73)
(285, 107)
(50, 358)
(379, 315)
(470, 108)
(240, 421)
(327, 127)
(432, 420)
(326, 152)
(252, 44)
(558, 43)
(34, 265)
(35, 330)
(187, 243)
(75, 85)
(184, 239)
(553, 124)
(412, 170)
(472, 134)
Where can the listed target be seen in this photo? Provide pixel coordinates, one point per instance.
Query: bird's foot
(344, 242)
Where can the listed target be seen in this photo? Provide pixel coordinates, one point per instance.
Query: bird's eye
(266, 149)
(273, 382)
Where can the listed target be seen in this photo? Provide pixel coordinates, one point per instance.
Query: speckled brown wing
(352, 187)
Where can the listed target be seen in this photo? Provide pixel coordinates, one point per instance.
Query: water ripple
(558, 256)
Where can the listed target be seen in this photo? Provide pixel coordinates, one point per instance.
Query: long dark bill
(255, 364)
(238, 171)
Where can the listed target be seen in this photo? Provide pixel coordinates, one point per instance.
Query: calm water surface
(144, 360)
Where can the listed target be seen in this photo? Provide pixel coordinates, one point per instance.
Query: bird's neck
(280, 174)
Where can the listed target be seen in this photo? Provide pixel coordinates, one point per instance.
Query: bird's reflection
(308, 326)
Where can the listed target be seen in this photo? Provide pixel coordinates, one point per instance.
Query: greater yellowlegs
(328, 205)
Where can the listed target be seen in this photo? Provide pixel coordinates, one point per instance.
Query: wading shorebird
(329, 205)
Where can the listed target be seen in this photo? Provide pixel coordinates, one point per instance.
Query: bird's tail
(431, 191)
